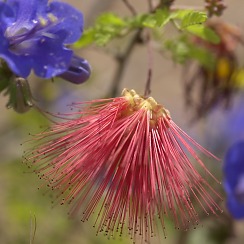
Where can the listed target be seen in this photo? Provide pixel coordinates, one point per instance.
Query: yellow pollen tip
(223, 68)
(43, 22)
(138, 102)
(52, 17)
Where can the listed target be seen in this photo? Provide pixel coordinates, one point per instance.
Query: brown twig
(166, 3)
(150, 5)
(130, 7)
(122, 61)
(150, 64)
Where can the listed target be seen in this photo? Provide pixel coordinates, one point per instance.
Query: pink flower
(125, 158)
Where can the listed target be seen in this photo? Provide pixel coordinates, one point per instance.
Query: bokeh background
(22, 204)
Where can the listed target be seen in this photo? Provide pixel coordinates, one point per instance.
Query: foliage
(183, 50)
(109, 25)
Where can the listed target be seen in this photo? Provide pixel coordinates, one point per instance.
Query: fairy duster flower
(234, 179)
(34, 35)
(123, 157)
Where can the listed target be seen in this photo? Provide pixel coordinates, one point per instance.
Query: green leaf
(203, 56)
(183, 50)
(139, 21)
(162, 17)
(149, 21)
(86, 39)
(180, 14)
(107, 26)
(110, 19)
(204, 32)
(193, 18)
(179, 50)
(159, 19)
(102, 38)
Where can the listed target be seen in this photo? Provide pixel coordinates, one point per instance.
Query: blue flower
(34, 35)
(234, 179)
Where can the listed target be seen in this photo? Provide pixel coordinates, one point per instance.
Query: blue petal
(228, 189)
(234, 163)
(78, 72)
(25, 12)
(235, 208)
(33, 35)
(69, 18)
(50, 57)
(7, 16)
(20, 65)
(234, 172)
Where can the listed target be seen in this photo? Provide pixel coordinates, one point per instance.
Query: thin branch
(130, 7)
(122, 61)
(150, 5)
(148, 83)
(150, 64)
(166, 3)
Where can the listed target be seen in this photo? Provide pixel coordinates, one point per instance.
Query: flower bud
(20, 98)
(78, 72)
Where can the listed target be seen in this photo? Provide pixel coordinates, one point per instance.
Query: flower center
(22, 39)
(148, 104)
